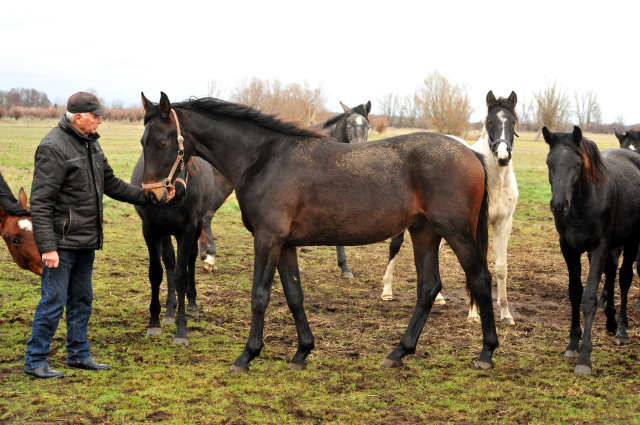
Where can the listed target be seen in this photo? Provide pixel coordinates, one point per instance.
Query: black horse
(630, 141)
(595, 200)
(297, 188)
(352, 126)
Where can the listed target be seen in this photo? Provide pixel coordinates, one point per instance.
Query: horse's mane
(594, 169)
(504, 103)
(359, 109)
(10, 205)
(236, 110)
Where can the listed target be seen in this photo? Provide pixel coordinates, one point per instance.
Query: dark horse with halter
(352, 126)
(297, 188)
(595, 202)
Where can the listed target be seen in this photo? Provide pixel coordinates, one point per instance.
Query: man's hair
(72, 117)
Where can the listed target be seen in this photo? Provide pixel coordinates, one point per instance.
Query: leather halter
(494, 143)
(179, 160)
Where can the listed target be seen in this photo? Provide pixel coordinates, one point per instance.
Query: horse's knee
(501, 271)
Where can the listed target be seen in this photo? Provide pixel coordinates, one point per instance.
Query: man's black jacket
(71, 173)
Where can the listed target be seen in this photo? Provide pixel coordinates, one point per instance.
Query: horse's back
(624, 170)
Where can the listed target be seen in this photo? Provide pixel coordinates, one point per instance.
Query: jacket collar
(66, 126)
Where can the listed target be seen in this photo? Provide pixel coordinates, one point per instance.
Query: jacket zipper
(95, 188)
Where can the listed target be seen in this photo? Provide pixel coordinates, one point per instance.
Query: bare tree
(619, 120)
(554, 106)
(214, 89)
(389, 104)
(412, 108)
(526, 110)
(587, 109)
(445, 105)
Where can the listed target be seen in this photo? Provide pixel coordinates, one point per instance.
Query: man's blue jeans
(68, 284)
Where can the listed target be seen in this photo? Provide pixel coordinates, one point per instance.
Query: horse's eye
(15, 241)
(163, 144)
(490, 122)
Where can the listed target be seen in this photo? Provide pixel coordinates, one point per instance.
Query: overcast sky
(356, 50)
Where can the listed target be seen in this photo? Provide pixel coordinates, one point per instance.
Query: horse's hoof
(168, 319)
(622, 340)
(183, 341)
(387, 297)
(347, 275)
(571, 354)
(480, 365)
(508, 321)
(193, 313)
(297, 366)
(474, 319)
(439, 301)
(154, 331)
(210, 267)
(237, 369)
(583, 369)
(388, 364)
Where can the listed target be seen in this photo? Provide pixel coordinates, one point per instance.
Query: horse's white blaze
(359, 120)
(633, 148)
(502, 153)
(503, 118)
(25, 224)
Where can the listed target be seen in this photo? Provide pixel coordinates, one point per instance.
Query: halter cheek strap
(179, 160)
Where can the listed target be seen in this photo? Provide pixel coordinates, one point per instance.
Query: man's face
(88, 124)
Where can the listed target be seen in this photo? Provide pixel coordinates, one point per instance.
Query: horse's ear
(548, 136)
(165, 105)
(346, 109)
(619, 135)
(146, 103)
(491, 99)
(513, 99)
(576, 135)
(22, 196)
(367, 108)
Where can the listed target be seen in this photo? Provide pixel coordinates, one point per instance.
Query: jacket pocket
(68, 222)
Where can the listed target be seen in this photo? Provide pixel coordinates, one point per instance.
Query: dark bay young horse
(17, 230)
(352, 126)
(297, 188)
(182, 217)
(595, 203)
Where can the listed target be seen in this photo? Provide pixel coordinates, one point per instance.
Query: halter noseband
(494, 143)
(179, 160)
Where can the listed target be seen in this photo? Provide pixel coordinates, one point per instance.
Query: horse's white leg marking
(633, 148)
(25, 224)
(473, 314)
(209, 263)
(501, 233)
(387, 293)
(439, 300)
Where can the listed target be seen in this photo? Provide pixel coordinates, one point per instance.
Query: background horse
(182, 218)
(352, 126)
(595, 202)
(495, 141)
(17, 230)
(297, 188)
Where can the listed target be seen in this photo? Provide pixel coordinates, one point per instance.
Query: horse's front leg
(169, 260)
(207, 245)
(590, 305)
(610, 269)
(185, 247)
(501, 233)
(574, 267)
(192, 305)
(155, 278)
(267, 253)
(342, 263)
(290, 277)
(626, 276)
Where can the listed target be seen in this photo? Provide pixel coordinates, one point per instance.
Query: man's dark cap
(86, 102)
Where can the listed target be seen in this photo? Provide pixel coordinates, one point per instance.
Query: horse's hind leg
(426, 243)
(169, 260)
(501, 233)
(207, 245)
(186, 242)
(155, 278)
(609, 275)
(192, 306)
(610, 269)
(387, 280)
(342, 262)
(290, 277)
(479, 286)
(626, 276)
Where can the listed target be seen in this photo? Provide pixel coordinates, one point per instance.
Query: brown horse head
(17, 232)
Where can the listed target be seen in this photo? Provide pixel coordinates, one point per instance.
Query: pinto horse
(594, 200)
(495, 141)
(295, 187)
(17, 230)
(352, 126)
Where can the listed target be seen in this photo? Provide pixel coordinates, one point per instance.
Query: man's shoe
(89, 365)
(43, 372)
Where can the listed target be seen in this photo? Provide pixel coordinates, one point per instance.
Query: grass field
(154, 381)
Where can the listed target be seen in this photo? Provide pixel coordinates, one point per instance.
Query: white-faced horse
(496, 140)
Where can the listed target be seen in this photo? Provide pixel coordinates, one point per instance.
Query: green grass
(154, 381)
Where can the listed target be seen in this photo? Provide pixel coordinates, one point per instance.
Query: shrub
(379, 124)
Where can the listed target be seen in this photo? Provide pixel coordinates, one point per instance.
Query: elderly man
(71, 173)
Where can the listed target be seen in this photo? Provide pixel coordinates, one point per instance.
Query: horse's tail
(482, 229)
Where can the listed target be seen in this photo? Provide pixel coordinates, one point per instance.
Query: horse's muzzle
(156, 196)
(559, 208)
